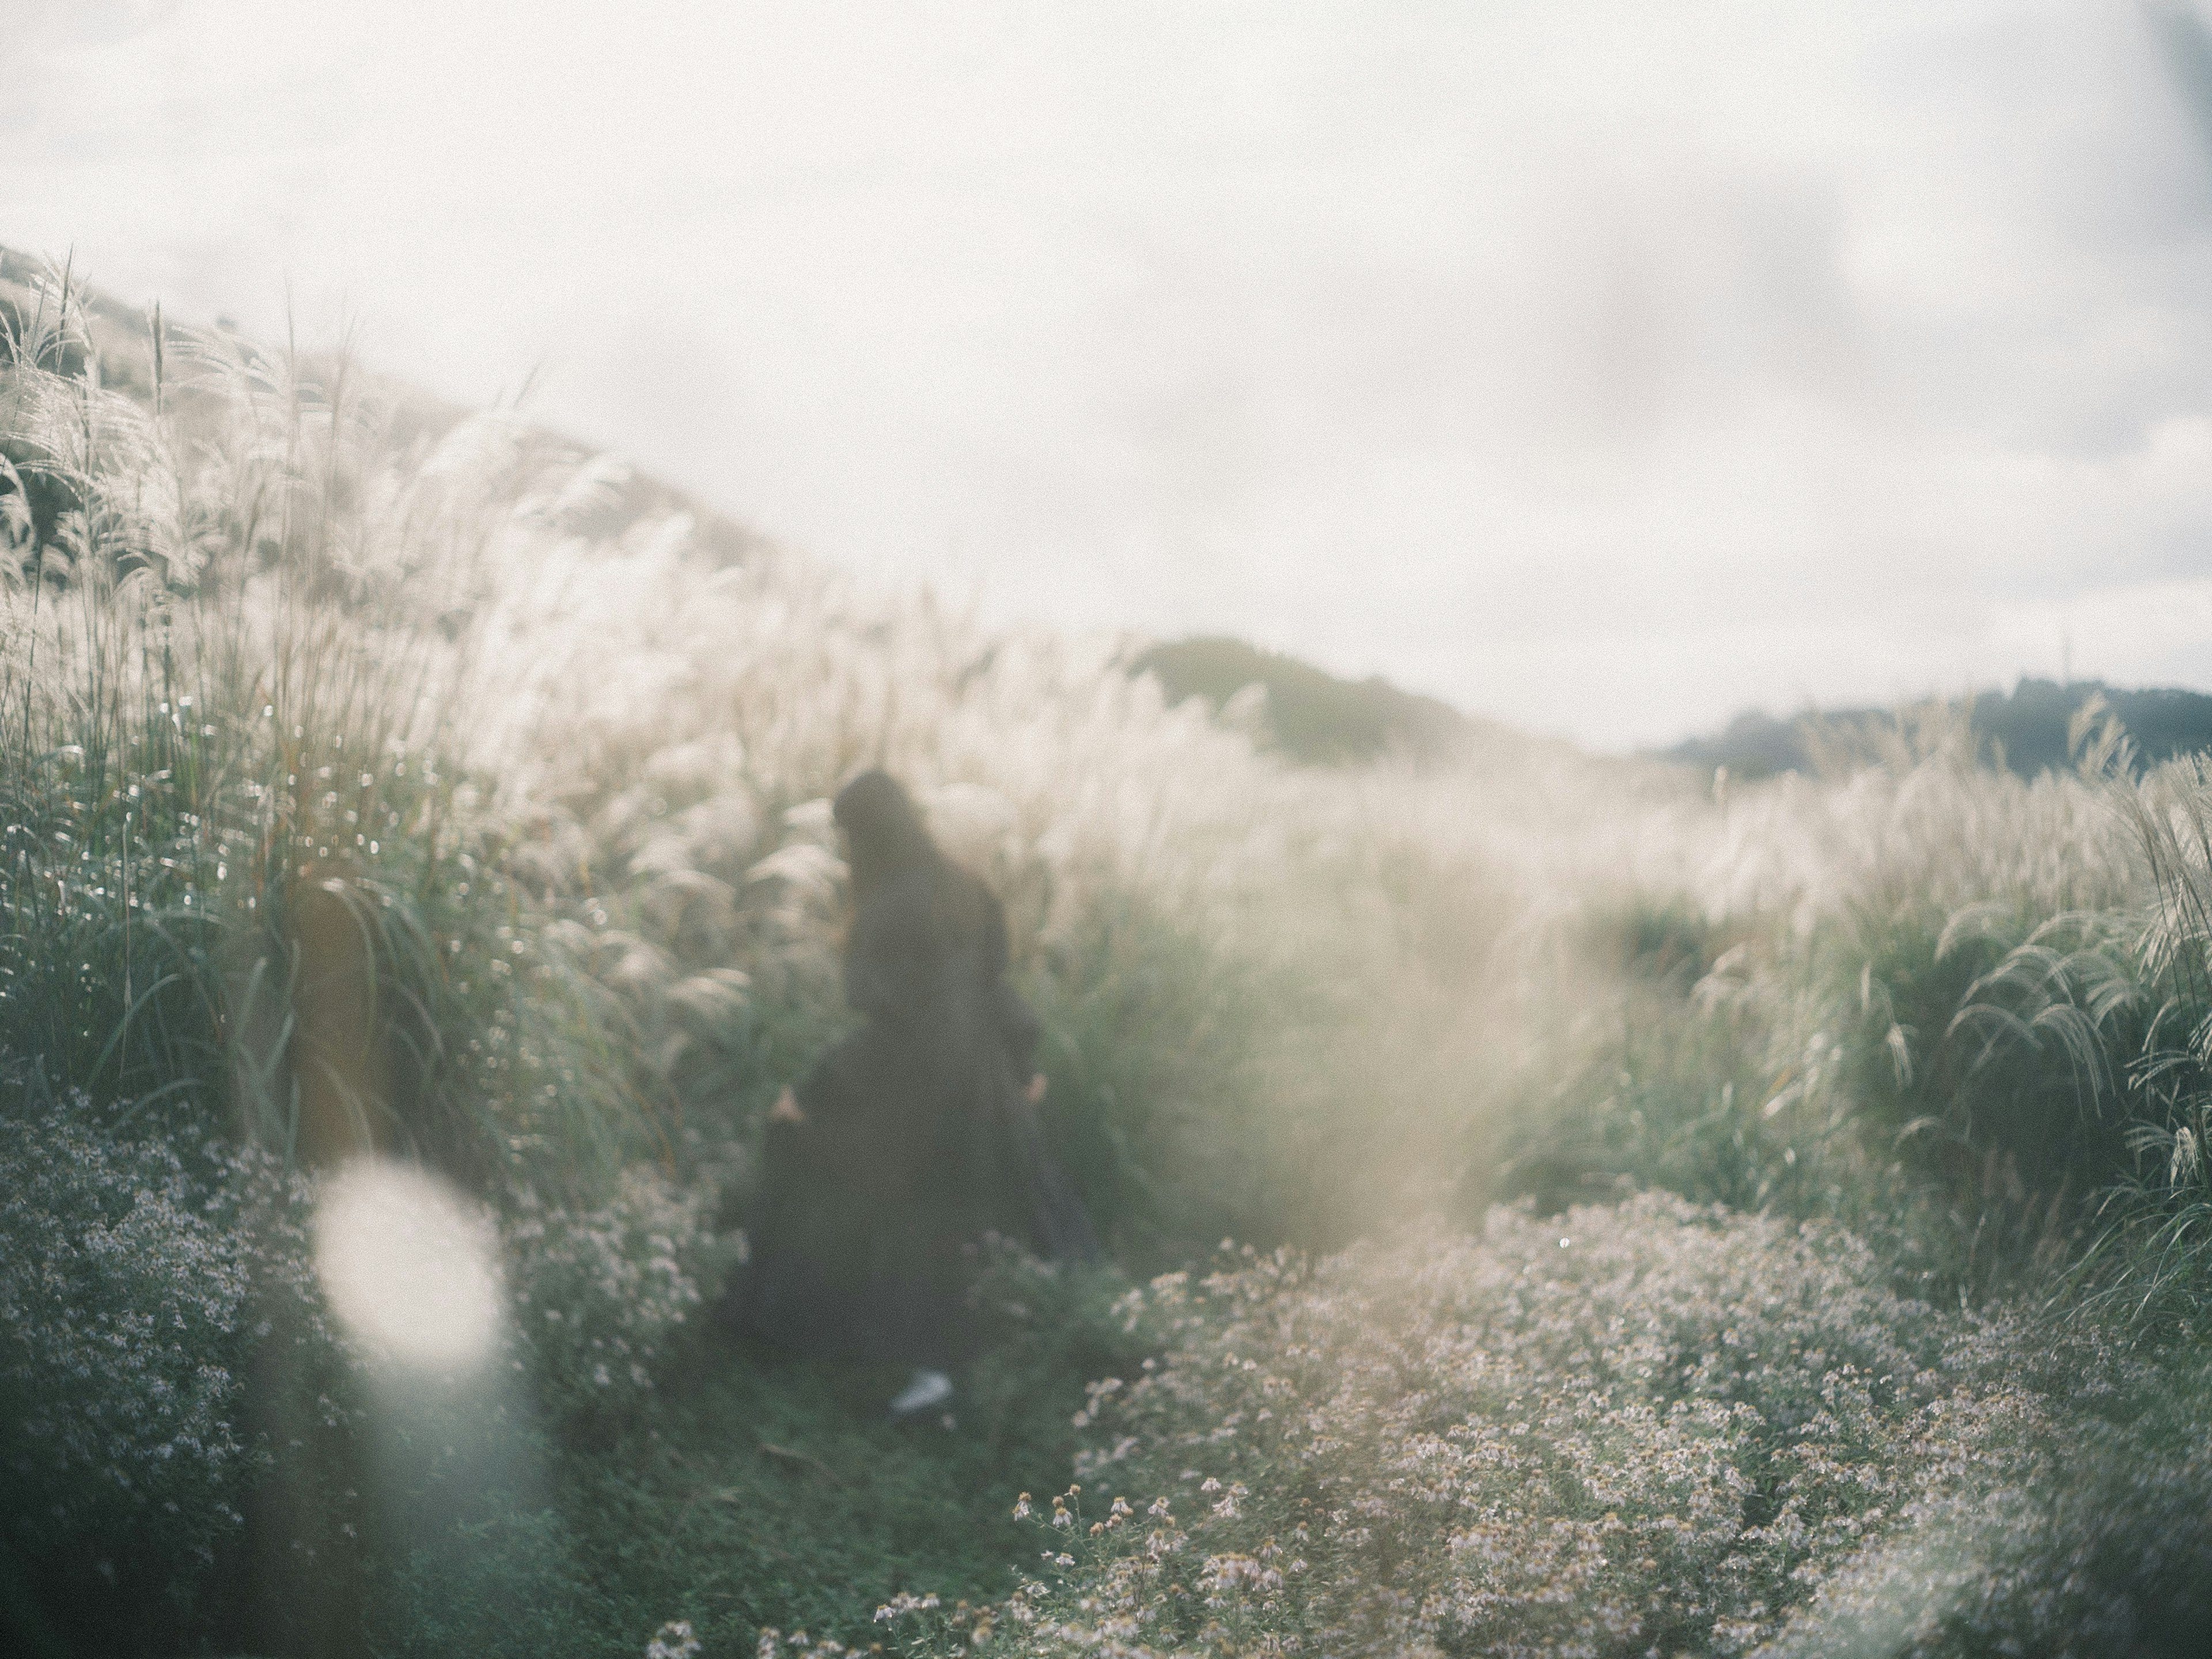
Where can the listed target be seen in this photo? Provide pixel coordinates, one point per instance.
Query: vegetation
(1633, 1426)
(1307, 712)
(1772, 1218)
(2027, 729)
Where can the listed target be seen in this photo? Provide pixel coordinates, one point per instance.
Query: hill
(118, 336)
(2025, 731)
(1310, 714)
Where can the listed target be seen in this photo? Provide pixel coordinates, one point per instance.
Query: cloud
(1604, 368)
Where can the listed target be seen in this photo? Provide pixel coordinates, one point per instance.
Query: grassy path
(765, 1491)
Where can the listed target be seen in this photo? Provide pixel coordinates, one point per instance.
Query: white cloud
(1609, 368)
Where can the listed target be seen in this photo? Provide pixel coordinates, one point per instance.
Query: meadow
(1557, 1206)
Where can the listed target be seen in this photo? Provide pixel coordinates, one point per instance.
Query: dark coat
(918, 1137)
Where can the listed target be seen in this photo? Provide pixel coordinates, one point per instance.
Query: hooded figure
(916, 1135)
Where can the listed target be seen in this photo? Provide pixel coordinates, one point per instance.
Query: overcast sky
(1607, 369)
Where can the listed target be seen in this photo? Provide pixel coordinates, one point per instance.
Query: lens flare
(409, 1267)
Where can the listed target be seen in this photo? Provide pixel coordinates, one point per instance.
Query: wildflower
(905, 1603)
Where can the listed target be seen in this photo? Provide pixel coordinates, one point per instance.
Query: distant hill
(1310, 714)
(2025, 729)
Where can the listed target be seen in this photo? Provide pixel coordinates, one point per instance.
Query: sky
(1605, 368)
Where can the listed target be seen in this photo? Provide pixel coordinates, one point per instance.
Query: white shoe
(928, 1388)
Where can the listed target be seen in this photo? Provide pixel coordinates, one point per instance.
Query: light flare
(411, 1268)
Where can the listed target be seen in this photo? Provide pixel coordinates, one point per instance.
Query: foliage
(2072, 1519)
(137, 1283)
(511, 1583)
(1959, 1009)
(600, 1295)
(762, 1491)
(1635, 1427)
(120, 1298)
(244, 883)
(2028, 729)
(2154, 1256)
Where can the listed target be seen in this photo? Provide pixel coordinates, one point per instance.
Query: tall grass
(1916, 991)
(386, 789)
(325, 741)
(1245, 969)
(373, 781)
(244, 881)
(2154, 1253)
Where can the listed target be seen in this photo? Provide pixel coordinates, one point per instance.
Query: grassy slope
(771, 1493)
(679, 1511)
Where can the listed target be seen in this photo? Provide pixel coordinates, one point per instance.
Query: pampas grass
(381, 779)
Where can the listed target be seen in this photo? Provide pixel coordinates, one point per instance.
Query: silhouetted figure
(916, 1135)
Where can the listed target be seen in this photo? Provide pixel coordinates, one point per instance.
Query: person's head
(884, 831)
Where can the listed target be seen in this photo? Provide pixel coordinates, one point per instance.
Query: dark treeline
(2026, 729)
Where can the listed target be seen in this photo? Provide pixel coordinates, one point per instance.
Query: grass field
(1661, 1215)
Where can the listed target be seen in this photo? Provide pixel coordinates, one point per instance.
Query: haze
(1605, 369)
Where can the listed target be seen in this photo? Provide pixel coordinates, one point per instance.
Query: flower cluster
(1649, 1426)
(599, 1293)
(134, 1291)
(118, 1299)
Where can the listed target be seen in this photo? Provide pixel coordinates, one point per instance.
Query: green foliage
(1163, 1098)
(245, 883)
(510, 1585)
(1978, 1035)
(2153, 1256)
(600, 1295)
(2069, 1520)
(766, 1492)
(122, 1307)
(142, 1420)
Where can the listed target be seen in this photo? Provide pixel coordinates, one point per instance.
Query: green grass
(245, 886)
(763, 1493)
(772, 1492)
(758, 1490)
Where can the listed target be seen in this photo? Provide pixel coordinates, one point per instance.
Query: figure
(914, 1136)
